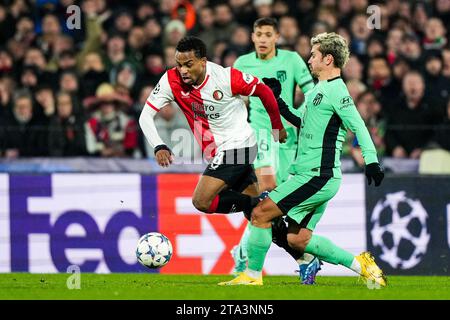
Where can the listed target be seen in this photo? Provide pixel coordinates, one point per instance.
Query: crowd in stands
(68, 92)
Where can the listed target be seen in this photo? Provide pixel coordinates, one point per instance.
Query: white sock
(253, 274)
(305, 259)
(356, 266)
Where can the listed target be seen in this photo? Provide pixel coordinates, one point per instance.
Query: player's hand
(274, 85)
(375, 172)
(163, 156)
(279, 135)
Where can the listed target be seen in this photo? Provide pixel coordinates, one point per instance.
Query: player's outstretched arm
(163, 154)
(346, 109)
(285, 112)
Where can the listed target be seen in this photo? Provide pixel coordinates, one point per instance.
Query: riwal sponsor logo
(93, 221)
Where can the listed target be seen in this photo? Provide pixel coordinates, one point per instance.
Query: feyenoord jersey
(214, 109)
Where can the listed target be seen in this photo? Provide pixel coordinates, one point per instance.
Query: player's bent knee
(201, 205)
(259, 216)
(296, 242)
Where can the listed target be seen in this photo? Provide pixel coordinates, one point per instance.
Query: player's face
(264, 38)
(191, 68)
(317, 61)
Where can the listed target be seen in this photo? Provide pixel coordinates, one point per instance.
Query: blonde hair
(334, 44)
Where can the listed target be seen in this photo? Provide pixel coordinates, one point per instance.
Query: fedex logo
(92, 220)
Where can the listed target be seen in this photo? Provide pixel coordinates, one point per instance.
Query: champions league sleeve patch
(248, 78)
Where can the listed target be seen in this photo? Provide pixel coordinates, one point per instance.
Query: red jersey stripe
(155, 108)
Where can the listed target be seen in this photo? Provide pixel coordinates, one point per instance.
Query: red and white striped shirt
(214, 110)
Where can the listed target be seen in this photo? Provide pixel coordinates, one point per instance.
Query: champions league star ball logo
(399, 230)
(218, 95)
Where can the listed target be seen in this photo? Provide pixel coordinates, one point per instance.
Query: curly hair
(192, 43)
(334, 44)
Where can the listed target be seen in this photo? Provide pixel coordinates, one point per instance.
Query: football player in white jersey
(210, 98)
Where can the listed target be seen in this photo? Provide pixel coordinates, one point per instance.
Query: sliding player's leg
(303, 219)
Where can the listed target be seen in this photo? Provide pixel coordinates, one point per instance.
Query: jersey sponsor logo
(201, 109)
(156, 90)
(218, 95)
(346, 102)
(281, 75)
(317, 99)
(248, 78)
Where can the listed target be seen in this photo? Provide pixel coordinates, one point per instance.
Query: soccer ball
(154, 250)
(399, 230)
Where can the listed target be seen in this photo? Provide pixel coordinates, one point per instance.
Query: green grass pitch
(204, 287)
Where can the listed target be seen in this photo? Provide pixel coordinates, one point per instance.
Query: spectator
(116, 55)
(303, 47)
(446, 62)
(360, 35)
(93, 73)
(136, 43)
(206, 29)
(67, 61)
(153, 33)
(409, 124)
(442, 10)
(393, 43)
(123, 22)
(45, 103)
(7, 85)
(144, 11)
(399, 69)
(169, 57)
(240, 41)
(23, 134)
(51, 29)
(6, 63)
(154, 68)
(289, 31)
(6, 24)
(353, 69)
(173, 32)
(29, 78)
(411, 50)
(68, 82)
(66, 129)
(110, 132)
(24, 31)
(185, 12)
(442, 131)
(380, 80)
(375, 46)
(434, 34)
(437, 86)
(225, 24)
(369, 108)
(355, 88)
(263, 8)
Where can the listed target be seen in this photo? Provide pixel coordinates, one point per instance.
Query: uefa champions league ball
(154, 250)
